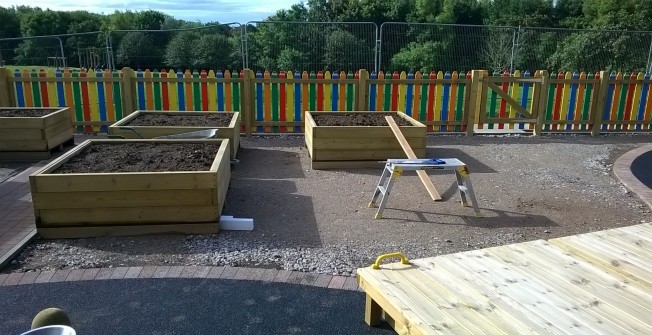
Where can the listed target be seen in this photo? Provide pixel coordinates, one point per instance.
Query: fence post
(362, 103)
(598, 108)
(6, 88)
(247, 100)
(473, 102)
(128, 90)
(541, 105)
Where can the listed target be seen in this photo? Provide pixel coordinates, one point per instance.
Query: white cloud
(200, 10)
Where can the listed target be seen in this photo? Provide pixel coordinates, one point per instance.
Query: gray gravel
(528, 188)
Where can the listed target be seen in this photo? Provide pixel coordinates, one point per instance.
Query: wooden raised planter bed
(125, 128)
(30, 133)
(359, 146)
(73, 205)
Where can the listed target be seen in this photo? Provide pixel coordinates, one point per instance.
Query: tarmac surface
(188, 306)
(642, 168)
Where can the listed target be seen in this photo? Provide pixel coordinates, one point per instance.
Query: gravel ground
(528, 188)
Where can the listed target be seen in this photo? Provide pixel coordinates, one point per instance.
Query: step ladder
(394, 168)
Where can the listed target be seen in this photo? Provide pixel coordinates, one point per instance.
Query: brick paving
(199, 272)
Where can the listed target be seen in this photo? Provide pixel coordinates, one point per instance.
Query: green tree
(9, 23)
(290, 60)
(423, 57)
(179, 52)
(136, 50)
(212, 51)
(344, 51)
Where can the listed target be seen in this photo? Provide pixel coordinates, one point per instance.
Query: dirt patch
(176, 120)
(141, 157)
(26, 112)
(355, 119)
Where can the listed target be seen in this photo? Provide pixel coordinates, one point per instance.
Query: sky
(222, 11)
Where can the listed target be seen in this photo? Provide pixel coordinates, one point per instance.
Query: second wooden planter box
(354, 146)
(123, 129)
(34, 134)
(72, 205)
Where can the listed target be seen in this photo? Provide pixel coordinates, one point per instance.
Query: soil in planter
(141, 157)
(26, 112)
(176, 120)
(354, 119)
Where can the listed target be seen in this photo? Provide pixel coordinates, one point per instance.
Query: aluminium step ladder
(394, 168)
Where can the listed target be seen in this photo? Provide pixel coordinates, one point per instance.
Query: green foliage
(179, 52)
(9, 23)
(422, 57)
(134, 48)
(344, 51)
(290, 59)
(212, 51)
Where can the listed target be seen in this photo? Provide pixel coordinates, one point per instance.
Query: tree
(212, 51)
(291, 59)
(136, 50)
(179, 52)
(345, 52)
(9, 23)
(420, 56)
(149, 20)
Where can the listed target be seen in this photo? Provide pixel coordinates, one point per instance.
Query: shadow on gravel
(492, 218)
(268, 164)
(475, 166)
(279, 213)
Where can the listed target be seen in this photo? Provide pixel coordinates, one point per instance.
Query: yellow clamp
(398, 171)
(404, 259)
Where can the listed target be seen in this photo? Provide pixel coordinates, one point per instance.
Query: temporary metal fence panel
(216, 47)
(431, 47)
(38, 51)
(311, 46)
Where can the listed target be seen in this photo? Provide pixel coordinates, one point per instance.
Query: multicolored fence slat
(190, 94)
(438, 99)
(93, 101)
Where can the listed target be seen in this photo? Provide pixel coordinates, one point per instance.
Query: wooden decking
(595, 283)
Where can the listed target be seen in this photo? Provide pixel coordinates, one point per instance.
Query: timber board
(595, 283)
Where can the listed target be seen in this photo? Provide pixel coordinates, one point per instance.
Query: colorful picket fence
(498, 109)
(574, 102)
(628, 103)
(97, 100)
(437, 99)
(282, 98)
(188, 91)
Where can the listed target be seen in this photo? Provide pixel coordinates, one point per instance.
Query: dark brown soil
(176, 120)
(141, 157)
(26, 112)
(355, 119)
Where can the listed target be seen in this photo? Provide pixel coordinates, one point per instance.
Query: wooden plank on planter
(140, 198)
(317, 165)
(362, 154)
(20, 134)
(123, 182)
(60, 138)
(126, 215)
(378, 143)
(132, 230)
(24, 145)
(430, 187)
